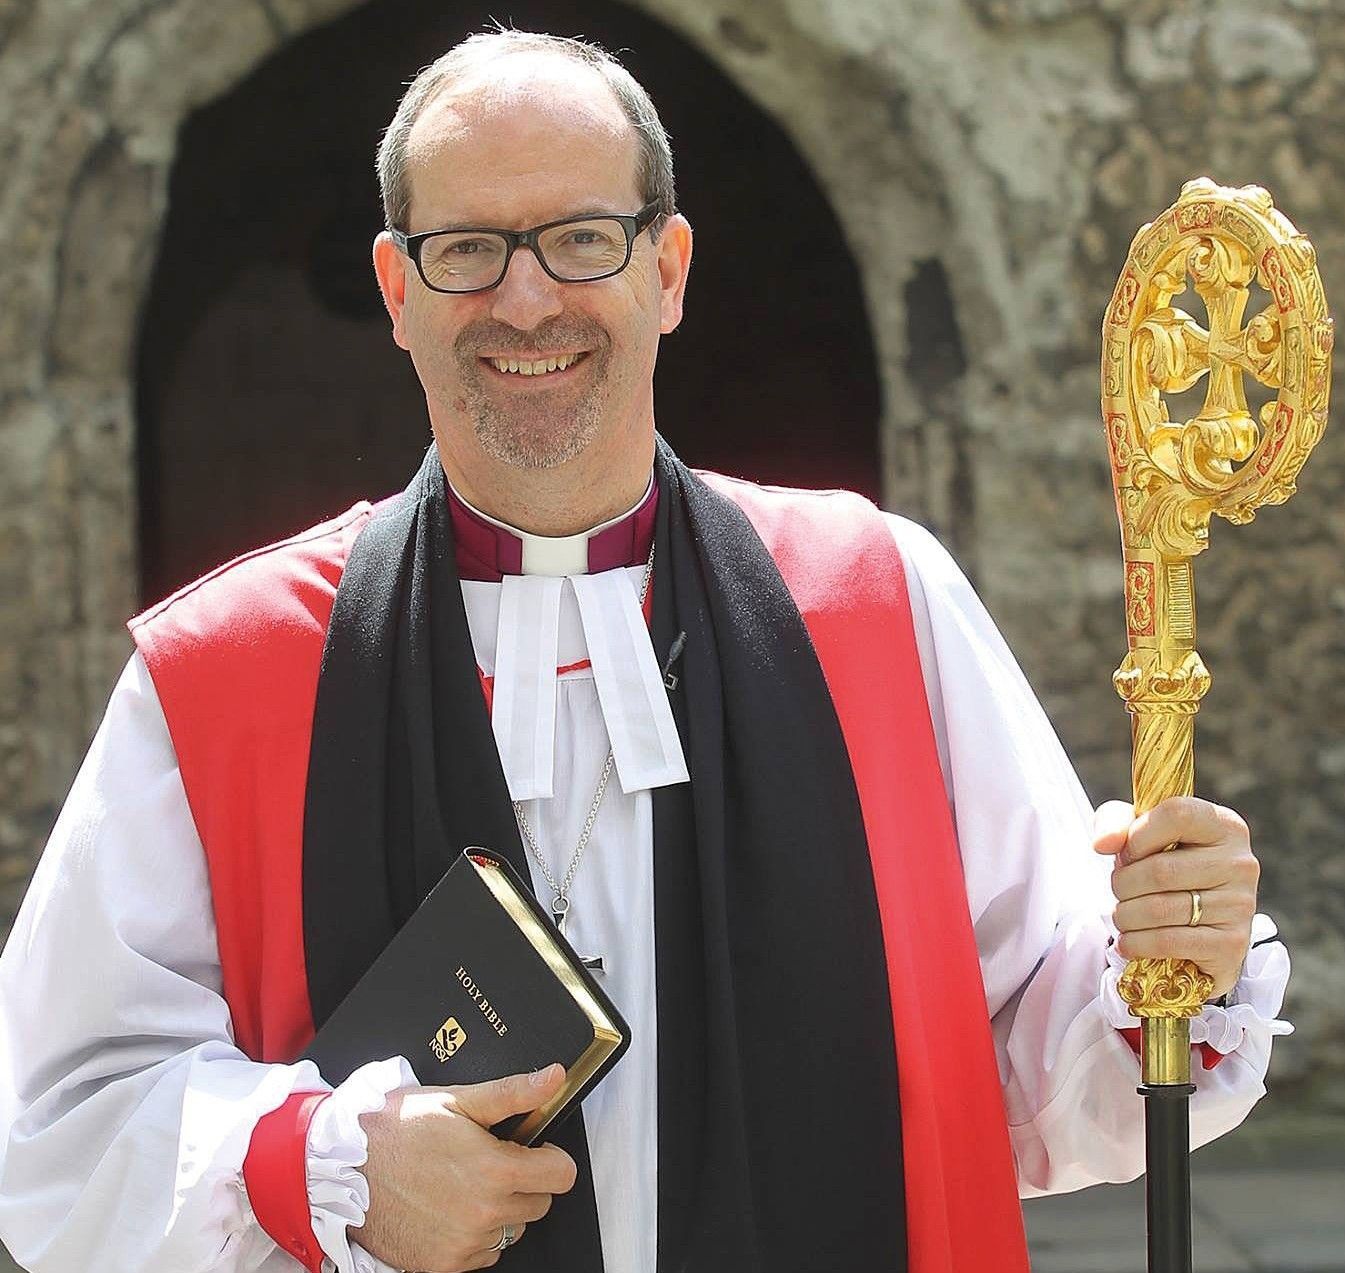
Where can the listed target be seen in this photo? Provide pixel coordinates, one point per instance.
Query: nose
(527, 295)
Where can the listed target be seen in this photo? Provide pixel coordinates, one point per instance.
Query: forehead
(522, 140)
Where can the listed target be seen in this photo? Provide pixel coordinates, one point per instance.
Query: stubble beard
(531, 436)
(541, 433)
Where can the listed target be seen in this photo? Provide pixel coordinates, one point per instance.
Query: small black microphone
(674, 653)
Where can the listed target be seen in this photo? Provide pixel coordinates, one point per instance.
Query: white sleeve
(1041, 903)
(125, 1108)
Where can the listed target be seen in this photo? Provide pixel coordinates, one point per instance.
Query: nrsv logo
(448, 1039)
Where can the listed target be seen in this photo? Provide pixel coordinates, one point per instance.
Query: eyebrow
(590, 211)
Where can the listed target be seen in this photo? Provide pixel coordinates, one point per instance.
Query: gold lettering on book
(448, 1039)
(494, 1019)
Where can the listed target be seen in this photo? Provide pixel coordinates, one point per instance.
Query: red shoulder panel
(235, 658)
(844, 571)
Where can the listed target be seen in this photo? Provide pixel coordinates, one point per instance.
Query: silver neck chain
(560, 903)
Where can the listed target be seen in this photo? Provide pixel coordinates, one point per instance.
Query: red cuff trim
(1209, 1056)
(275, 1173)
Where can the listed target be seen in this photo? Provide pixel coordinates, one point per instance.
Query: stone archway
(988, 162)
(93, 94)
(269, 391)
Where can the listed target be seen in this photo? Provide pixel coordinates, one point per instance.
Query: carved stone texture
(994, 155)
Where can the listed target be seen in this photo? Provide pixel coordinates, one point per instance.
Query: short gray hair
(655, 169)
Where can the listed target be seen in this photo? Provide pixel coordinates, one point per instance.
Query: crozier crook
(1170, 477)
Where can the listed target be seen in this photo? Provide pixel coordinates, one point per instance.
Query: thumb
(1111, 826)
(487, 1103)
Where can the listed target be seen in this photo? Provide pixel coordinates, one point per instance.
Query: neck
(568, 500)
(579, 536)
(488, 549)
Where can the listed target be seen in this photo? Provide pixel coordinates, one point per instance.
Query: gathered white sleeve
(1041, 903)
(126, 1111)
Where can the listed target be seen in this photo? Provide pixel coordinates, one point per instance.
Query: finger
(1173, 910)
(487, 1103)
(1172, 872)
(491, 1253)
(483, 1260)
(1181, 820)
(545, 1169)
(1111, 825)
(1204, 946)
(524, 1208)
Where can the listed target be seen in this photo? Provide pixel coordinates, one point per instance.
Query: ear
(390, 267)
(674, 264)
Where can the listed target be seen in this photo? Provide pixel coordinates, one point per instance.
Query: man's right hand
(441, 1187)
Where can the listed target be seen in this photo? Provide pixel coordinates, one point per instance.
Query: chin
(535, 446)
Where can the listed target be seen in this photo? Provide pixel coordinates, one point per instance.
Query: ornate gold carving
(1223, 461)
(1172, 984)
(1275, 279)
(1194, 216)
(1181, 602)
(1171, 476)
(1118, 439)
(1153, 684)
(1127, 290)
(1140, 598)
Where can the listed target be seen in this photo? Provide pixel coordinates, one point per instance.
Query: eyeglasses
(574, 250)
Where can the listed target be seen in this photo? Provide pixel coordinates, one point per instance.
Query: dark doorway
(270, 392)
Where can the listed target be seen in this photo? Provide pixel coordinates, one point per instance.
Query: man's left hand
(1212, 856)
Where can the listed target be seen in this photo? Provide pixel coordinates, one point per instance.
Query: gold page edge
(606, 1037)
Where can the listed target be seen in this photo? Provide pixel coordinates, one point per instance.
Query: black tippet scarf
(778, 1122)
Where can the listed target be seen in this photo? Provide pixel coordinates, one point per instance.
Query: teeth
(538, 368)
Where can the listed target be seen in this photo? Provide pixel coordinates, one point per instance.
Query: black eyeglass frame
(633, 224)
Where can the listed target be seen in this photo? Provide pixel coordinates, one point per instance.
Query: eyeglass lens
(575, 251)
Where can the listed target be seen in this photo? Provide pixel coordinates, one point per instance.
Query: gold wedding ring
(1196, 910)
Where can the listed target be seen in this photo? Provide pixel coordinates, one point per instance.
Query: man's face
(535, 140)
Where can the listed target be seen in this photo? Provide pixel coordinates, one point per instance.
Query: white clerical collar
(564, 555)
(564, 610)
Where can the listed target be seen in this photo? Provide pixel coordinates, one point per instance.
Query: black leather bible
(478, 984)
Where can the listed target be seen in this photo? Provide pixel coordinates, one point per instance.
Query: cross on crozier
(1176, 350)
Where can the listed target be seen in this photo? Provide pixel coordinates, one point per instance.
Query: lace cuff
(1252, 1004)
(338, 1193)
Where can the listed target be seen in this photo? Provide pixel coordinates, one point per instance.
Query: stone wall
(989, 161)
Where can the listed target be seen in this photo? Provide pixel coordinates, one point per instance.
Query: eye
(586, 236)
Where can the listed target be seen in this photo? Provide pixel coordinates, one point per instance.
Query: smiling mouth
(552, 365)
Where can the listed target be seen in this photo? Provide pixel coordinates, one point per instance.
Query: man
(764, 750)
